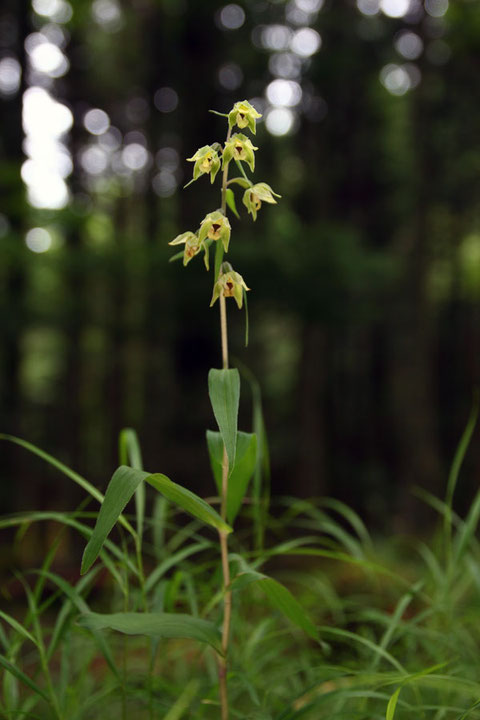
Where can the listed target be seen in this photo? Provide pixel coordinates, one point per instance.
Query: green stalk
(227, 600)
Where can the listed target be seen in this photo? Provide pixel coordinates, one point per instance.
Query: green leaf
(123, 484)
(157, 625)
(224, 391)
(188, 501)
(218, 259)
(245, 460)
(91, 489)
(177, 256)
(19, 628)
(13, 670)
(392, 704)
(243, 182)
(230, 198)
(279, 598)
(130, 454)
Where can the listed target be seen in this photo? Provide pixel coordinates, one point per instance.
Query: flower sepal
(216, 226)
(240, 148)
(243, 115)
(255, 195)
(207, 161)
(229, 284)
(193, 245)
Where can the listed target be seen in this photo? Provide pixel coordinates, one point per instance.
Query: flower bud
(255, 195)
(239, 147)
(229, 284)
(243, 114)
(206, 162)
(193, 245)
(215, 226)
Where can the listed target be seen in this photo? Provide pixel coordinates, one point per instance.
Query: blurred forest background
(365, 302)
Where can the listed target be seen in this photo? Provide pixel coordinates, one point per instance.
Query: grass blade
(13, 670)
(88, 487)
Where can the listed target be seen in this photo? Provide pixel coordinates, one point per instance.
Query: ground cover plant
(293, 613)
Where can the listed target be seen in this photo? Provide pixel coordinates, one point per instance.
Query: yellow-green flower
(243, 115)
(255, 195)
(229, 284)
(239, 147)
(215, 226)
(206, 162)
(193, 245)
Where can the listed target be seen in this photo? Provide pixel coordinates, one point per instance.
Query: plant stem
(227, 602)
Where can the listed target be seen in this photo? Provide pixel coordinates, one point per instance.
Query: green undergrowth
(395, 622)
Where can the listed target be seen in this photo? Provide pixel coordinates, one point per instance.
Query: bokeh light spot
(164, 183)
(94, 160)
(230, 76)
(96, 121)
(395, 8)
(57, 10)
(309, 6)
(280, 121)
(369, 7)
(231, 17)
(168, 158)
(38, 240)
(135, 156)
(166, 99)
(10, 75)
(286, 93)
(305, 42)
(276, 37)
(436, 8)
(408, 44)
(46, 57)
(396, 79)
(286, 65)
(107, 14)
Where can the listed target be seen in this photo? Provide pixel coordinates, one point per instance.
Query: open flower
(255, 195)
(229, 284)
(243, 115)
(215, 226)
(206, 162)
(239, 147)
(193, 245)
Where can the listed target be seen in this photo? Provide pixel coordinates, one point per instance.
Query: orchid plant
(233, 454)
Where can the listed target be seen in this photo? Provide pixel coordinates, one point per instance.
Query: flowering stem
(227, 601)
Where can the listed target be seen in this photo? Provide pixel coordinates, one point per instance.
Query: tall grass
(398, 619)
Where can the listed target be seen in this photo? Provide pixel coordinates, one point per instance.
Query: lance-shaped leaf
(120, 489)
(122, 486)
(156, 625)
(279, 598)
(224, 391)
(245, 460)
(188, 501)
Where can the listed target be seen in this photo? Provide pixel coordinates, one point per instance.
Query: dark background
(364, 308)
